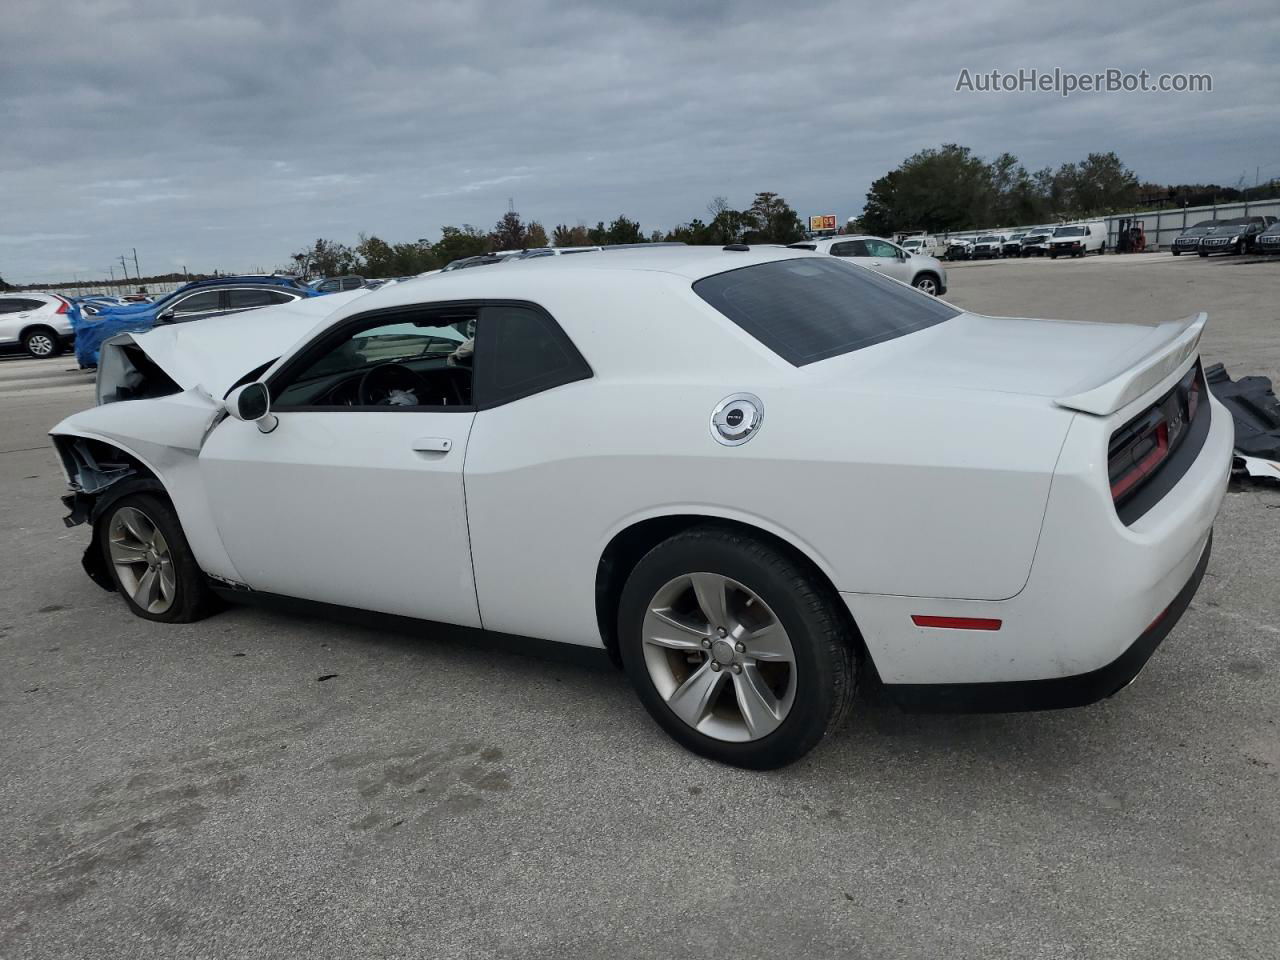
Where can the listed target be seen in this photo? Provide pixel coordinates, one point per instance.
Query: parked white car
(751, 475)
(38, 323)
(922, 272)
(1078, 240)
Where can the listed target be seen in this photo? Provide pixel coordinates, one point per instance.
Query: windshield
(1069, 232)
(818, 307)
(988, 239)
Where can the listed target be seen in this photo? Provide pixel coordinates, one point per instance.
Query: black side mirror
(252, 403)
(166, 317)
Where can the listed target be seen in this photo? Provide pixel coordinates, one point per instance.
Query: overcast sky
(230, 134)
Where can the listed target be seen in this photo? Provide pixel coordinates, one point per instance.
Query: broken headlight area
(91, 467)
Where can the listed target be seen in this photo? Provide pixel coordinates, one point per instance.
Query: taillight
(1140, 451)
(62, 306)
(1139, 447)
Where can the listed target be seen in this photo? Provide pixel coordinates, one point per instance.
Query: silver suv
(38, 323)
(922, 272)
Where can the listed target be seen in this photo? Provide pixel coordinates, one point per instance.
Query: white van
(1078, 239)
(924, 244)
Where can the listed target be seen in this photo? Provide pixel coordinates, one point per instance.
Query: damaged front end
(98, 475)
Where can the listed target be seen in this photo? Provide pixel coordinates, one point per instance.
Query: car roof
(691, 263)
(279, 280)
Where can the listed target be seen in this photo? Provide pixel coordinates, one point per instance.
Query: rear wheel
(734, 648)
(41, 342)
(151, 562)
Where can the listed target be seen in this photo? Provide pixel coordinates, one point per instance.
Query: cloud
(241, 131)
(474, 185)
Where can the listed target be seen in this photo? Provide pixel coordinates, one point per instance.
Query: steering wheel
(379, 384)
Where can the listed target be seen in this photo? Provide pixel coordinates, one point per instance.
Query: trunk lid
(1085, 366)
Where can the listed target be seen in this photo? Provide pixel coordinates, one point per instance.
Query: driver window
(411, 361)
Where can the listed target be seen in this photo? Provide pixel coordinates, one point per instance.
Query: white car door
(878, 255)
(356, 497)
(888, 259)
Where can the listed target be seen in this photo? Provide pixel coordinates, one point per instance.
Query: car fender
(175, 428)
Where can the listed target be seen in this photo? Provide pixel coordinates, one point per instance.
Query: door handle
(433, 445)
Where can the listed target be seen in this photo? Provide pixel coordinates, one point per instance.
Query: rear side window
(247, 299)
(815, 308)
(19, 305)
(521, 351)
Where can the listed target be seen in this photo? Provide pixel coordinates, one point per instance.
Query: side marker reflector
(956, 623)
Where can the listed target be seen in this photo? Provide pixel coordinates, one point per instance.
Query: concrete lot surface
(204, 791)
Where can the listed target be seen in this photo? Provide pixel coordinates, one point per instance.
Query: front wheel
(151, 562)
(735, 649)
(1176, 252)
(926, 283)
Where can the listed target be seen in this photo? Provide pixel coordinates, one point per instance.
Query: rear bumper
(1056, 693)
(1095, 584)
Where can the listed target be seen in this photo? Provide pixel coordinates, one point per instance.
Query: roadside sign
(823, 221)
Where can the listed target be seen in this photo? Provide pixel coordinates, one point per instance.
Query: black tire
(1240, 248)
(1202, 253)
(1176, 252)
(924, 280)
(1053, 256)
(192, 600)
(41, 342)
(826, 669)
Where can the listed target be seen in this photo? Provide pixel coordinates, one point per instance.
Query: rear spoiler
(1137, 370)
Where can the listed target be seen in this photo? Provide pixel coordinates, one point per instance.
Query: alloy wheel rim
(719, 657)
(143, 563)
(40, 345)
(927, 286)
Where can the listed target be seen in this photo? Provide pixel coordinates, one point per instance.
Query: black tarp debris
(1254, 408)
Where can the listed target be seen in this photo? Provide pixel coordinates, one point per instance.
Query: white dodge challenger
(750, 475)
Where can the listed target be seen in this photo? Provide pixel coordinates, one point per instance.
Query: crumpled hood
(215, 352)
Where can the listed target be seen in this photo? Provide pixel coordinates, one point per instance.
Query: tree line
(769, 219)
(950, 188)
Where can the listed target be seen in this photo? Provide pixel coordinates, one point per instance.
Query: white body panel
(340, 508)
(958, 470)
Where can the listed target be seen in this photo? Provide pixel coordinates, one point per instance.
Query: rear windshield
(819, 307)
